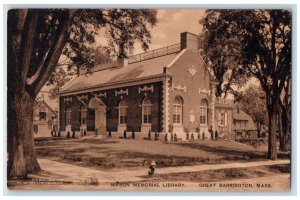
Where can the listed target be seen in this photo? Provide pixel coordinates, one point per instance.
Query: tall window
(146, 111)
(122, 112)
(68, 115)
(222, 118)
(203, 112)
(177, 110)
(83, 115)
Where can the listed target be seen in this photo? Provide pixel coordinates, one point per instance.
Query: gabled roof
(146, 68)
(242, 116)
(43, 102)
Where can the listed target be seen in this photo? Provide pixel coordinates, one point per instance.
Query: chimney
(189, 41)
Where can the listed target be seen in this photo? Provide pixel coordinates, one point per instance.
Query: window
(42, 115)
(146, 111)
(203, 112)
(177, 110)
(122, 112)
(68, 116)
(36, 128)
(222, 118)
(83, 115)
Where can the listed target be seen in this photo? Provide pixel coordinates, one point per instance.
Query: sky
(171, 22)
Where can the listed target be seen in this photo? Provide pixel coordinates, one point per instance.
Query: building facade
(167, 90)
(44, 119)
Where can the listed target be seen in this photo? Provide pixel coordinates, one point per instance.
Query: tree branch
(63, 33)
(27, 42)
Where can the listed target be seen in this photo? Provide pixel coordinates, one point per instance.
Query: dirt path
(72, 173)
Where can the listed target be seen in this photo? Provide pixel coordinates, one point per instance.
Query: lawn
(112, 154)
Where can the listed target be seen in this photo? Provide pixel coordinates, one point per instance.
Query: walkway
(73, 173)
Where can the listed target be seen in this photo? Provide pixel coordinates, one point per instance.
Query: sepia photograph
(146, 99)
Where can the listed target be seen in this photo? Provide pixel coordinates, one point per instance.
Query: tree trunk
(283, 142)
(20, 141)
(258, 130)
(272, 147)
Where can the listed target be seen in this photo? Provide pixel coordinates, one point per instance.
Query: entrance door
(100, 120)
(100, 116)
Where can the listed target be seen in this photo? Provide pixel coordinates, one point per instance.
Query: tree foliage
(261, 48)
(253, 102)
(37, 39)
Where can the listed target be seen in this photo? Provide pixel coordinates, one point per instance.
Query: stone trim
(150, 79)
(165, 105)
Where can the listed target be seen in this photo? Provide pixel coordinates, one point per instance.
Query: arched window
(203, 112)
(146, 111)
(177, 110)
(122, 112)
(83, 115)
(68, 112)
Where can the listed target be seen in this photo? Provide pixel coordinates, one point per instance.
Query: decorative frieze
(67, 99)
(83, 97)
(192, 71)
(120, 92)
(145, 89)
(179, 88)
(204, 91)
(100, 94)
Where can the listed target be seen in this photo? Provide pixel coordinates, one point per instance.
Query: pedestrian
(175, 137)
(192, 136)
(149, 135)
(211, 134)
(73, 134)
(216, 135)
(166, 138)
(68, 135)
(125, 134)
(187, 136)
(203, 135)
(133, 135)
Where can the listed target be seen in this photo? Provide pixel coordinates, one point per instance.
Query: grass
(112, 154)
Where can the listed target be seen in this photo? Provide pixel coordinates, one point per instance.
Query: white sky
(171, 22)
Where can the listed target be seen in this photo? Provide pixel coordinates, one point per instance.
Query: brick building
(164, 90)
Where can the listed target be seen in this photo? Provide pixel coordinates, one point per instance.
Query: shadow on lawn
(227, 153)
(231, 154)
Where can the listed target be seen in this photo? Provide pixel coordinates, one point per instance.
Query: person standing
(216, 135)
(211, 133)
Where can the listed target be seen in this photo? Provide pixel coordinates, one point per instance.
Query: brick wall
(134, 112)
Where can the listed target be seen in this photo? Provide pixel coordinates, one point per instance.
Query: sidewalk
(67, 172)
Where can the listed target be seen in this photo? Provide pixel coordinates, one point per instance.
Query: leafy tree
(252, 101)
(37, 39)
(220, 51)
(263, 42)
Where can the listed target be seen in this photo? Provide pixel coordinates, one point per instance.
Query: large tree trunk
(20, 145)
(272, 147)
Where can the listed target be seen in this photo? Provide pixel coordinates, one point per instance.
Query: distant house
(244, 126)
(44, 118)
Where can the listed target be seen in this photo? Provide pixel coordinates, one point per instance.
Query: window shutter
(225, 119)
(219, 118)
